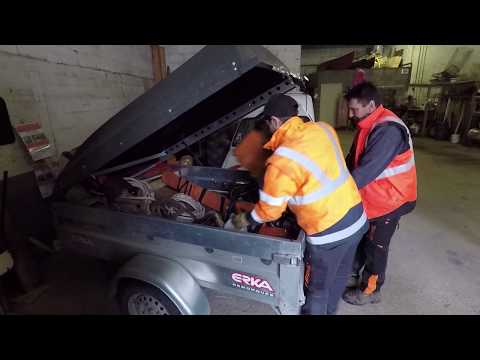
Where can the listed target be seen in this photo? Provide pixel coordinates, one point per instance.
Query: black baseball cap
(280, 105)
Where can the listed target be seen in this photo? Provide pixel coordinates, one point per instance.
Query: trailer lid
(217, 86)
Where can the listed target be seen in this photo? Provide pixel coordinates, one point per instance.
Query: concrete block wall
(176, 55)
(73, 89)
(70, 89)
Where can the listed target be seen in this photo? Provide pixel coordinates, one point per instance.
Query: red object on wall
(359, 77)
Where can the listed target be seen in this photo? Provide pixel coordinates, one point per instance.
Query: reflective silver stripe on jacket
(327, 185)
(392, 171)
(255, 217)
(272, 200)
(339, 235)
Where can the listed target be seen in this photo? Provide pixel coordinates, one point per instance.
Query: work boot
(353, 281)
(358, 297)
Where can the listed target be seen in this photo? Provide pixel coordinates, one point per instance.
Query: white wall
(437, 58)
(73, 89)
(434, 59)
(176, 55)
(70, 89)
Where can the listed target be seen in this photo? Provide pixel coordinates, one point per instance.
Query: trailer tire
(138, 298)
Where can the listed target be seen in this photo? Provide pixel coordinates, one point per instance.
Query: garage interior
(59, 95)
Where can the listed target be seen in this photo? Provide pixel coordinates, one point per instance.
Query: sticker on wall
(35, 140)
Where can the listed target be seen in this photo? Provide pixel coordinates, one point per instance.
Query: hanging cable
(146, 192)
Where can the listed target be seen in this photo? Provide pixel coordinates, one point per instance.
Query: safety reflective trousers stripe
(339, 235)
(395, 170)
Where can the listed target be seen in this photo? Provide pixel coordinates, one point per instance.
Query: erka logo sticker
(252, 283)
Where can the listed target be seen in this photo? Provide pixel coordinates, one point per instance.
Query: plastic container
(455, 138)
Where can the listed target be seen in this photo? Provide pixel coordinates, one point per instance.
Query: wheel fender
(168, 276)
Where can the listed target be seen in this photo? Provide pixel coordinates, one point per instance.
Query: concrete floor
(433, 266)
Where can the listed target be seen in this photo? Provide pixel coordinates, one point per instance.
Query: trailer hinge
(286, 259)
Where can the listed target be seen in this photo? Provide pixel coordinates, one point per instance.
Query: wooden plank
(157, 74)
(159, 63)
(162, 62)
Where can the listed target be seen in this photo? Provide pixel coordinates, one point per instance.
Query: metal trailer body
(262, 268)
(216, 87)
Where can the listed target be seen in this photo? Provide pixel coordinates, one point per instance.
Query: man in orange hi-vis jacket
(382, 163)
(307, 173)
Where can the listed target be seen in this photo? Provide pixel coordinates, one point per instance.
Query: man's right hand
(238, 222)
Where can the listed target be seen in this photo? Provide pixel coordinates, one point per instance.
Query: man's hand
(238, 222)
(6, 262)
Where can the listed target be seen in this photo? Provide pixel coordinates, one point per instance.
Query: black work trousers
(328, 268)
(372, 252)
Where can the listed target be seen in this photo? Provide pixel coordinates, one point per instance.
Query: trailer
(163, 264)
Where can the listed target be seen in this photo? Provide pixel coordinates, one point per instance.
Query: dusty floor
(434, 263)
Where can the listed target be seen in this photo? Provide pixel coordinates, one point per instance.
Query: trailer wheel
(138, 298)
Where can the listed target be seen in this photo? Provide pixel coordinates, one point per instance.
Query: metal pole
(425, 114)
(3, 243)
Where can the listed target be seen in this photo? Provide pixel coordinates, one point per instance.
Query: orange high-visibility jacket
(251, 154)
(397, 184)
(307, 173)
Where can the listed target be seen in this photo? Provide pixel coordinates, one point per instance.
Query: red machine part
(210, 199)
(207, 198)
(269, 230)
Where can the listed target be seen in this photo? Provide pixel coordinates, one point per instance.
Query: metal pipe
(460, 118)
(416, 67)
(419, 67)
(420, 64)
(424, 60)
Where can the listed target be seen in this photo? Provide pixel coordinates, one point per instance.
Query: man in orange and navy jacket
(307, 173)
(382, 163)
